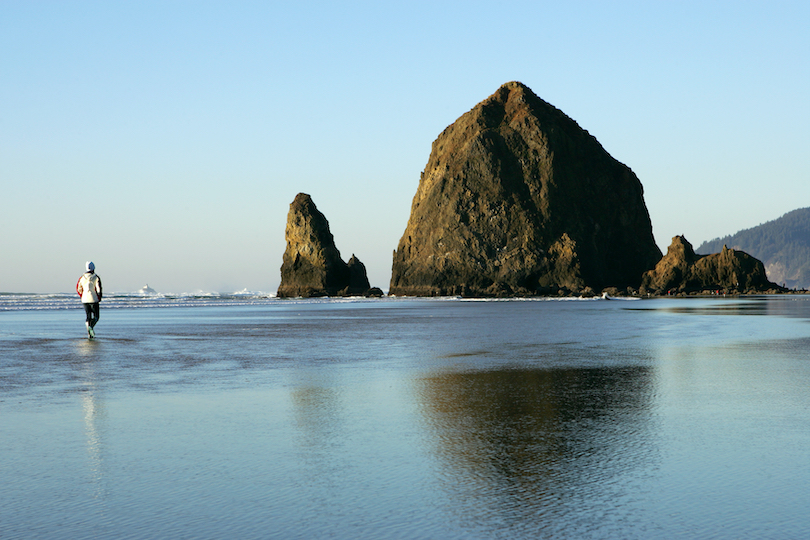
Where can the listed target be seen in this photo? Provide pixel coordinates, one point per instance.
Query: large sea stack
(517, 199)
(312, 265)
(682, 271)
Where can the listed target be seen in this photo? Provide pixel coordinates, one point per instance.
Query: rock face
(312, 265)
(517, 199)
(682, 271)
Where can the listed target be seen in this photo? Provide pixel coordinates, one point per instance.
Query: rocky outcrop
(682, 271)
(783, 246)
(311, 265)
(517, 199)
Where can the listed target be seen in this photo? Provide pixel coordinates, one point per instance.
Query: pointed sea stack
(517, 199)
(311, 265)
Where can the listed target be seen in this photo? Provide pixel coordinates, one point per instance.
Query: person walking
(89, 289)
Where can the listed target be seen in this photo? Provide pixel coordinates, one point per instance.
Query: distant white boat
(146, 289)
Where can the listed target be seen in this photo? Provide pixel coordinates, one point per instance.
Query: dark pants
(91, 310)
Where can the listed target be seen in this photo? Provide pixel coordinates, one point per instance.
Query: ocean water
(245, 416)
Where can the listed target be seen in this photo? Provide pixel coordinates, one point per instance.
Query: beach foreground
(406, 418)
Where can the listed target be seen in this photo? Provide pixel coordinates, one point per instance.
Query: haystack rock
(312, 265)
(682, 271)
(517, 199)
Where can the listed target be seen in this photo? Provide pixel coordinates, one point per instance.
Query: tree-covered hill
(783, 246)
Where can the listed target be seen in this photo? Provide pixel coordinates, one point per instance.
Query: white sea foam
(35, 301)
(138, 299)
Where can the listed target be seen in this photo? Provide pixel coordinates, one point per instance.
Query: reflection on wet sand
(317, 415)
(516, 446)
(94, 414)
(93, 409)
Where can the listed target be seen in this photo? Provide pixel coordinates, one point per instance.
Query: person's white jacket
(89, 288)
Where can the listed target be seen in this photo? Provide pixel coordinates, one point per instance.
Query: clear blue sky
(166, 140)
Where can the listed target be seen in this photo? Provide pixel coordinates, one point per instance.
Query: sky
(166, 140)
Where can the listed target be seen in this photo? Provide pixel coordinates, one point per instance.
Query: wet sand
(668, 418)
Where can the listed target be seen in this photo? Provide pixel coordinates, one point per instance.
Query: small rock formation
(682, 271)
(517, 199)
(312, 265)
(783, 246)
